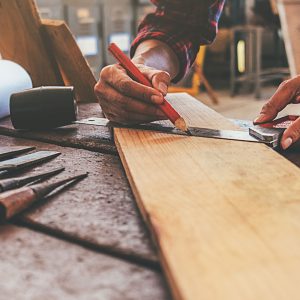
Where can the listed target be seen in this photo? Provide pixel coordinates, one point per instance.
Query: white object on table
(13, 78)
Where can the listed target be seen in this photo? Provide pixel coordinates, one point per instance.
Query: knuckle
(123, 104)
(110, 116)
(124, 85)
(164, 76)
(269, 107)
(145, 96)
(284, 83)
(99, 88)
(105, 72)
(294, 132)
(288, 85)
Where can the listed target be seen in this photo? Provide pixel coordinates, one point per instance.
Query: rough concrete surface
(95, 138)
(34, 266)
(100, 209)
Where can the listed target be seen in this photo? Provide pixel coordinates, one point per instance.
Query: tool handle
(138, 76)
(13, 183)
(7, 167)
(15, 201)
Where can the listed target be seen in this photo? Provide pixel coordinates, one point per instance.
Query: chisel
(15, 201)
(13, 183)
(8, 152)
(27, 160)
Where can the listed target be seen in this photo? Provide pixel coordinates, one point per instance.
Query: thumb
(160, 79)
(291, 134)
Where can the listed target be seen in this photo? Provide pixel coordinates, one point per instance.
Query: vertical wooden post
(289, 16)
(21, 42)
(72, 64)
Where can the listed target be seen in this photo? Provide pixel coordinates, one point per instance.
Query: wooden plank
(273, 4)
(37, 266)
(72, 64)
(94, 138)
(225, 214)
(98, 212)
(289, 17)
(21, 42)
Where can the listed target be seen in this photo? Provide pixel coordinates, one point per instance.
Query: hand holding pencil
(127, 95)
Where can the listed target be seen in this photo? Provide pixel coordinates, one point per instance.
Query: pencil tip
(181, 124)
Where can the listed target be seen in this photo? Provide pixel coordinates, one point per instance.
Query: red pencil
(136, 75)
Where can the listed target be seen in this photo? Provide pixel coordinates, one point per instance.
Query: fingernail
(287, 143)
(157, 99)
(163, 88)
(259, 119)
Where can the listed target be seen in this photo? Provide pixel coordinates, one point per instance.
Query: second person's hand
(288, 92)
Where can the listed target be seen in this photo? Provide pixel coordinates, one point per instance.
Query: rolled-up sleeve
(183, 25)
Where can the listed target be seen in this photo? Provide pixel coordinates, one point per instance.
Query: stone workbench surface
(99, 211)
(37, 266)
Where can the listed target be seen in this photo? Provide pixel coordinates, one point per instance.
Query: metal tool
(195, 131)
(272, 130)
(14, 183)
(15, 201)
(27, 160)
(8, 152)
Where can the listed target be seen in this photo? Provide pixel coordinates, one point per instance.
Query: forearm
(158, 55)
(183, 26)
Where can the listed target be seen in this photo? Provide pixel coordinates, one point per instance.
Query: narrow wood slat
(289, 16)
(225, 214)
(21, 42)
(72, 64)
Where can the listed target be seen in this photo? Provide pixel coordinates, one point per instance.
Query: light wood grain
(73, 66)
(21, 42)
(289, 11)
(225, 214)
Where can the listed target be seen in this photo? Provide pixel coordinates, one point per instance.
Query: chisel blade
(27, 160)
(8, 152)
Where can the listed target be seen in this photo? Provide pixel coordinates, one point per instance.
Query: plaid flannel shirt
(182, 24)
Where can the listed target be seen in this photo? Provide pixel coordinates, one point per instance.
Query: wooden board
(98, 212)
(37, 266)
(22, 43)
(72, 64)
(225, 214)
(289, 11)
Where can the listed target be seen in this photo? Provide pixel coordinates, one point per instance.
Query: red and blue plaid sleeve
(183, 25)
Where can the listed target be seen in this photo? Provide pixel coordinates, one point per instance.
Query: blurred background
(234, 75)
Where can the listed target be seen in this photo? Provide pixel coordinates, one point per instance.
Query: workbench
(88, 242)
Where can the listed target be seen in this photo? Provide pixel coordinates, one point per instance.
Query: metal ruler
(270, 139)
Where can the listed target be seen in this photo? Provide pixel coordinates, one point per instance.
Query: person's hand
(288, 92)
(125, 101)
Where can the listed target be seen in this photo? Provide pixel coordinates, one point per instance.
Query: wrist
(158, 55)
